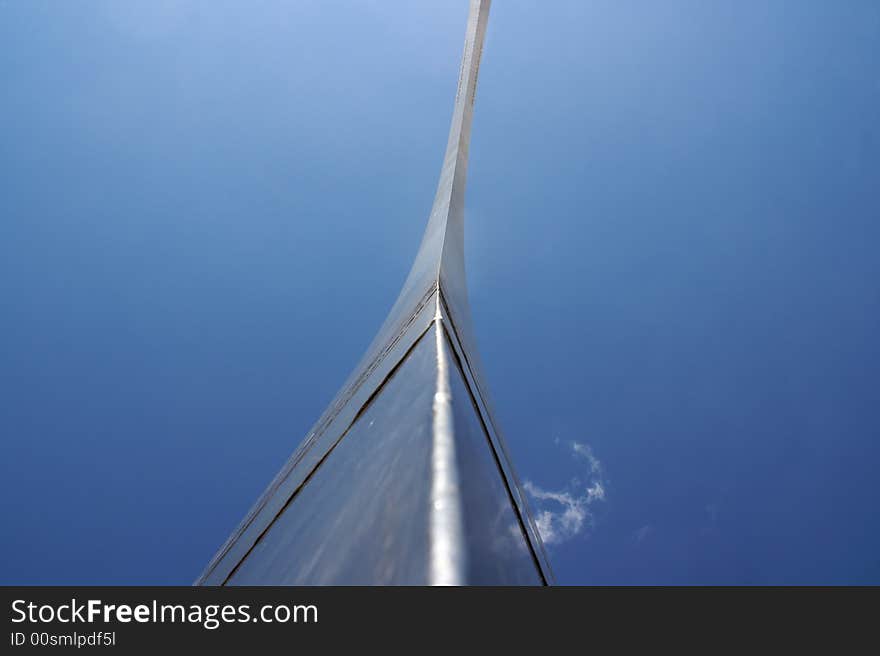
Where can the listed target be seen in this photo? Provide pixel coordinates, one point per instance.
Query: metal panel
(362, 516)
(498, 552)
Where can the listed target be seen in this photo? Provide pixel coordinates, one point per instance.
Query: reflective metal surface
(496, 547)
(426, 493)
(362, 517)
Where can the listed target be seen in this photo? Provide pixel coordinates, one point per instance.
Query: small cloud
(584, 451)
(643, 533)
(563, 514)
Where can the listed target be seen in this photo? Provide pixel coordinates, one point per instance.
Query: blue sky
(207, 208)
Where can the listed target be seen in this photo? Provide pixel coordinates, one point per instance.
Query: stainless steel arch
(429, 497)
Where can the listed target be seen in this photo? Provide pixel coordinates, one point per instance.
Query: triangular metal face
(494, 543)
(361, 516)
(405, 477)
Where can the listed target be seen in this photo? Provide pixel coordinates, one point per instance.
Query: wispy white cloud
(563, 514)
(643, 533)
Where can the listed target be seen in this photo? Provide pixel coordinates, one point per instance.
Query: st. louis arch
(405, 478)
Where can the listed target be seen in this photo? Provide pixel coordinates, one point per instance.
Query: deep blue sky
(207, 208)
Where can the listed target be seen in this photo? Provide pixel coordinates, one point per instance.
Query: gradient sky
(673, 220)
